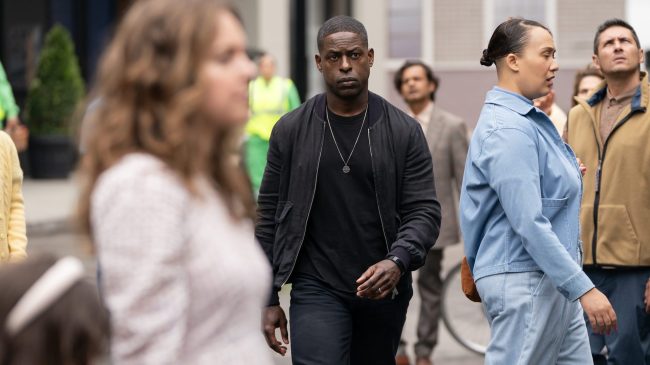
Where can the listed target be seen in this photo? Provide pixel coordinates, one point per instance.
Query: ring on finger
(379, 290)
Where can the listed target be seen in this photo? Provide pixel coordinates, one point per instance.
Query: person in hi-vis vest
(270, 97)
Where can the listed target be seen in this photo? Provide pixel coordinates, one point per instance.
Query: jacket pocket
(555, 210)
(282, 211)
(552, 206)
(617, 243)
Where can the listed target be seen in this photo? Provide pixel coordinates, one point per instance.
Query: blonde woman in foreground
(167, 206)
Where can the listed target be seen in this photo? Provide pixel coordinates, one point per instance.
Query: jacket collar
(510, 100)
(639, 100)
(375, 108)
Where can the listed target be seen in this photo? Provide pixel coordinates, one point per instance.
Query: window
(404, 20)
(529, 9)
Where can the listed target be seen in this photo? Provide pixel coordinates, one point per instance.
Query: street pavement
(50, 205)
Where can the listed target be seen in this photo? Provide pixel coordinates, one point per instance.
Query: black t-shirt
(344, 235)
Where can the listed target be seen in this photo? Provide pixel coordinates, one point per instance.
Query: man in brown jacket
(447, 137)
(610, 133)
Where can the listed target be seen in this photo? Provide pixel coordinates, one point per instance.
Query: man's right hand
(599, 311)
(274, 317)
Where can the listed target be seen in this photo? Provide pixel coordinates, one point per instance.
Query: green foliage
(57, 87)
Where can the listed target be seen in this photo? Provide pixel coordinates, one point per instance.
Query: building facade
(448, 34)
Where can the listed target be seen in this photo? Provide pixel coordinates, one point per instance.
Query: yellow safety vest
(268, 102)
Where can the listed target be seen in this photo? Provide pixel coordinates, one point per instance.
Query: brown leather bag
(467, 282)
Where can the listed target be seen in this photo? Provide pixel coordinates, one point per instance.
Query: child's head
(49, 314)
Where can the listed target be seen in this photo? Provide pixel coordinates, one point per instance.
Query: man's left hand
(379, 280)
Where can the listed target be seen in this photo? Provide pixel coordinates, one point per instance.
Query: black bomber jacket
(403, 177)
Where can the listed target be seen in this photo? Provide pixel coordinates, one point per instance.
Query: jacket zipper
(599, 170)
(582, 260)
(381, 220)
(295, 259)
(575, 163)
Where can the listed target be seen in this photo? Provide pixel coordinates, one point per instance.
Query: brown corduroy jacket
(615, 212)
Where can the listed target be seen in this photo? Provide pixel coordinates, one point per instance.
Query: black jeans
(329, 327)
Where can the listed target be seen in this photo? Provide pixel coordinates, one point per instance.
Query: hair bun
(485, 59)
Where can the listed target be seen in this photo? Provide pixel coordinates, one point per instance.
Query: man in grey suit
(447, 138)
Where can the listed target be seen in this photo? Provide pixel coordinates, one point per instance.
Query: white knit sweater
(184, 282)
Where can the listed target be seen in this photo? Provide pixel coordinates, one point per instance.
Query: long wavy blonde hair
(149, 100)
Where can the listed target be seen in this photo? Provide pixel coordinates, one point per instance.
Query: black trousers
(329, 327)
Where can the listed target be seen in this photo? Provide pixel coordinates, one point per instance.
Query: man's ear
(596, 62)
(512, 61)
(318, 65)
(641, 56)
(371, 56)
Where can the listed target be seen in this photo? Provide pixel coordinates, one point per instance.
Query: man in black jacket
(347, 209)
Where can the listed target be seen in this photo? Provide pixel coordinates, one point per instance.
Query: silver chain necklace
(346, 167)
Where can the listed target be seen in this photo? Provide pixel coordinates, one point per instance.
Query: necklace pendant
(346, 169)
